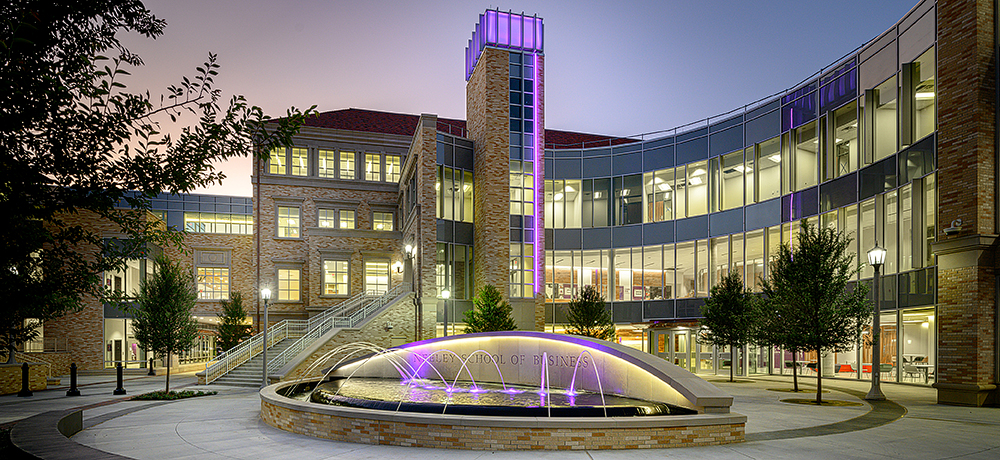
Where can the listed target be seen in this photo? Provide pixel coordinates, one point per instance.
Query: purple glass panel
(799, 112)
(491, 26)
(529, 33)
(841, 90)
(503, 26)
(515, 30)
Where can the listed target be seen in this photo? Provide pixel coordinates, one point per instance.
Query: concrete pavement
(228, 426)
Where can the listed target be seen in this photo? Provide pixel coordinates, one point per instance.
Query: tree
(731, 315)
(233, 328)
(76, 145)
(808, 289)
(491, 312)
(588, 317)
(162, 311)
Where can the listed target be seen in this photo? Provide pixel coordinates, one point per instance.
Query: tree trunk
(10, 356)
(795, 372)
(819, 377)
(168, 372)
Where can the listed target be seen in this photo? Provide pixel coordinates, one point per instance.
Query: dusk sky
(612, 67)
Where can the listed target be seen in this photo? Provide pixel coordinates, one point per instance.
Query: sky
(618, 68)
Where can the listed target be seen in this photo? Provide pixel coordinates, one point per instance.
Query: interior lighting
(664, 187)
(597, 194)
(696, 181)
(923, 96)
(558, 196)
(925, 325)
(570, 189)
(625, 192)
(698, 172)
(775, 158)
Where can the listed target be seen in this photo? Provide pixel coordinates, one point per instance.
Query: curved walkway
(228, 426)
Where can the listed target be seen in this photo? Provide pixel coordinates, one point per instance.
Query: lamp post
(446, 294)
(876, 257)
(266, 295)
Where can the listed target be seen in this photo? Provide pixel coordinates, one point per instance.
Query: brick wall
(966, 177)
(487, 110)
(470, 437)
(10, 378)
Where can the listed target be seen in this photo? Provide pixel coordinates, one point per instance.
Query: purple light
(503, 30)
(539, 155)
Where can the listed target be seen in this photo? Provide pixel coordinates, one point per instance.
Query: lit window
(213, 283)
(288, 284)
(377, 275)
(288, 222)
(347, 219)
(373, 167)
(335, 279)
(276, 164)
(392, 168)
(300, 161)
(382, 221)
(327, 163)
(210, 222)
(347, 165)
(327, 218)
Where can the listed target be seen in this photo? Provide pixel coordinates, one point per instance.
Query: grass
(172, 395)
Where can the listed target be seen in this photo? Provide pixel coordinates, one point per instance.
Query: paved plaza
(227, 426)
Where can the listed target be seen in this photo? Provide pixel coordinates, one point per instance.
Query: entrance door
(680, 347)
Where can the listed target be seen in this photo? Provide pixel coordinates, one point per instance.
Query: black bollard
(72, 391)
(151, 367)
(120, 390)
(25, 391)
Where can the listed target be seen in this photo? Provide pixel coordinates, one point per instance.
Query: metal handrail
(366, 303)
(246, 350)
(24, 357)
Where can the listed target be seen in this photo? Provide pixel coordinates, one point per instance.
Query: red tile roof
(404, 124)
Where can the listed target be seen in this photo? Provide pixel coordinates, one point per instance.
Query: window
(335, 277)
(300, 161)
(697, 193)
(806, 147)
(327, 218)
(347, 170)
(522, 188)
(885, 119)
(844, 156)
(288, 222)
(213, 283)
(210, 222)
(327, 163)
(377, 275)
(276, 164)
(373, 167)
(768, 170)
(382, 221)
(288, 284)
(346, 219)
(730, 185)
(924, 121)
(392, 168)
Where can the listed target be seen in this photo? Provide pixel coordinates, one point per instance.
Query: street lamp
(446, 294)
(266, 295)
(876, 257)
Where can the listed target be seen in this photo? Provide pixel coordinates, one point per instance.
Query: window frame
(278, 220)
(325, 271)
(279, 293)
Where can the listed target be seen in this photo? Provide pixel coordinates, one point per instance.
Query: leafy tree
(588, 317)
(731, 315)
(233, 328)
(162, 311)
(76, 145)
(491, 312)
(807, 288)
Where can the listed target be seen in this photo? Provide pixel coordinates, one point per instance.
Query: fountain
(503, 390)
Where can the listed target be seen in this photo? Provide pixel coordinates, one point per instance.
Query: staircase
(242, 364)
(249, 374)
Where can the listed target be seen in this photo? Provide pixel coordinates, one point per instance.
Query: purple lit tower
(504, 67)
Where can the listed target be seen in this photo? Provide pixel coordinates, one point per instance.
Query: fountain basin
(546, 362)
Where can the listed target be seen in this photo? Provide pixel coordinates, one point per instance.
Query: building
(893, 143)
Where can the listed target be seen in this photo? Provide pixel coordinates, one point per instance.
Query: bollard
(72, 391)
(151, 367)
(25, 391)
(119, 390)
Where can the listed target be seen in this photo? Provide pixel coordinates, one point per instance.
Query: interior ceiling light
(698, 172)
(664, 187)
(775, 158)
(922, 96)
(570, 189)
(558, 196)
(695, 181)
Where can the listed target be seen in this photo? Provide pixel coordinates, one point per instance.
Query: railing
(26, 358)
(339, 317)
(246, 350)
(47, 345)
